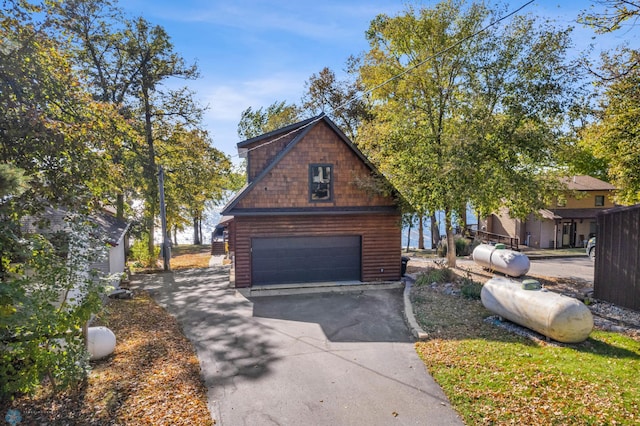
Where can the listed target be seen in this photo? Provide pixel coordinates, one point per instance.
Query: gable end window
(599, 200)
(320, 182)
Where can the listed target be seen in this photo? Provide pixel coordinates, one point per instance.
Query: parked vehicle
(591, 248)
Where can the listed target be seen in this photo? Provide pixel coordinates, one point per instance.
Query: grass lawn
(190, 256)
(183, 256)
(492, 376)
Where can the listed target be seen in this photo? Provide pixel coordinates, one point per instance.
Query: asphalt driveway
(312, 359)
(575, 268)
(580, 269)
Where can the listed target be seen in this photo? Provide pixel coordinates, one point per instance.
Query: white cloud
(227, 101)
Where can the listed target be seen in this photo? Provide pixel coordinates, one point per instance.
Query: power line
(315, 120)
(397, 76)
(424, 61)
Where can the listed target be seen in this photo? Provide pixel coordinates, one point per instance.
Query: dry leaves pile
(152, 378)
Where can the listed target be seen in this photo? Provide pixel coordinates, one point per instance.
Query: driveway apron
(306, 359)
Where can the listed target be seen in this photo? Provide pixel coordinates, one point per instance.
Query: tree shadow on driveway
(329, 358)
(216, 319)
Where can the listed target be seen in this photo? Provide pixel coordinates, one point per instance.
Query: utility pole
(166, 243)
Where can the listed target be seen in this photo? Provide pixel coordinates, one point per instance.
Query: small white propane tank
(101, 342)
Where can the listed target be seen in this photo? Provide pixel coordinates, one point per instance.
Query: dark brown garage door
(286, 260)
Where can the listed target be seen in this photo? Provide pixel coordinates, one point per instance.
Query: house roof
(558, 214)
(112, 227)
(303, 127)
(586, 183)
(225, 219)
(281, 131)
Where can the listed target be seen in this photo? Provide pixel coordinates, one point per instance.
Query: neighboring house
(310, 211)
(114, 232)
(116, 235)
(568, 223)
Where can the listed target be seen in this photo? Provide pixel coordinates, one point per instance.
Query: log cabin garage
(314, 210)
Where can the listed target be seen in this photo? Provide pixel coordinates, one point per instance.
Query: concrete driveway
(312, 359)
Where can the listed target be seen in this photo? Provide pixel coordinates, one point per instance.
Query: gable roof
(111, 227)
(303, 127)
(586, 183)
(283, 131)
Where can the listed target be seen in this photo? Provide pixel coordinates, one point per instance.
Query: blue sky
(252, 53)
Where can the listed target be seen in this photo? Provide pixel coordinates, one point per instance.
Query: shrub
(45, 300)
(436, 274)
(463, 246)
(470, 289)
(140, 251)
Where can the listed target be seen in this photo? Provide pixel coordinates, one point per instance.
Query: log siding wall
(380, 236)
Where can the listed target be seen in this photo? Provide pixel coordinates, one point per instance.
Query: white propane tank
(101, 342)
(559, 317)
(509, 262)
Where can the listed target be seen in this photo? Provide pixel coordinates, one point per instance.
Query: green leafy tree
(45, 301)
(236, 179)
(614, 139)
(340, 100)
(96, 40)
(12, 181)
(52, 152)
(51, 128)
(465, 112)
(611, 16)
(198, 174)
(263, 120)
(127, 62)
(151, 51)
(609, 146)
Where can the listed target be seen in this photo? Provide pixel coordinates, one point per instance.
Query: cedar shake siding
(380, 236)
(308, 212)
(262, 150)
(287, 184)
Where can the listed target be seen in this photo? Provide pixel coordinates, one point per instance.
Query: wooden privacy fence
(617, 264)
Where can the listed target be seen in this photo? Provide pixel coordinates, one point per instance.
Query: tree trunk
(196, 235)
(409, 235)
(152, 189)
(463, 218)
(151, 229)
(175, 235)
(420, 232)
(435, 231)
(451, 245)
(120, 206)
(200, 227)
